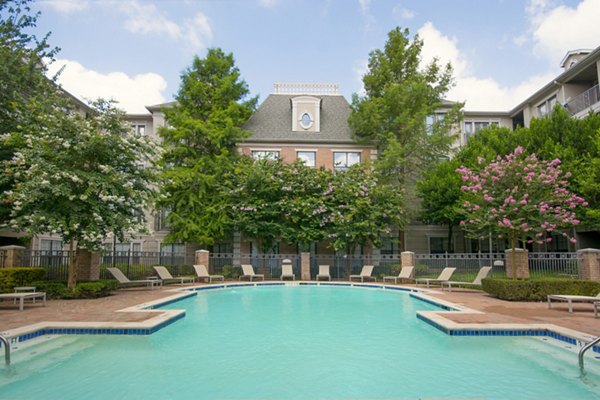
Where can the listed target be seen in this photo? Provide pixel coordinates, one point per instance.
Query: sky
(134, 51)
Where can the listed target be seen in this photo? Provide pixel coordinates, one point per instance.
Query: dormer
(306, 114)
(573, 57)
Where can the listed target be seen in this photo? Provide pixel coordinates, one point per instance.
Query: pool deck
(109, 310)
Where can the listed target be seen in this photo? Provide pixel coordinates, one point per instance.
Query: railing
(584, 100)
(138, 264)
(467, 264)
(553, 264)
(267, 264)
(582, 353)
(6, 342)
(56, 262)
(306, 88)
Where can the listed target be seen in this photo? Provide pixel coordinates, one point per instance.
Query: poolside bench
(22, 296)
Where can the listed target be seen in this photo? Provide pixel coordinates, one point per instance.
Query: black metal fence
(138, 265)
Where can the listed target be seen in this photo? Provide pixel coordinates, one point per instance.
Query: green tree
(200, 157)
(80, 177)
(362, 210)
(440, 195)
(24, 88)
(397, 113)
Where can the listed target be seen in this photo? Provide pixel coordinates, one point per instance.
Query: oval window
(306, 121)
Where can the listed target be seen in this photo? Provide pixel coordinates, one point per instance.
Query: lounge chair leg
(570, 306)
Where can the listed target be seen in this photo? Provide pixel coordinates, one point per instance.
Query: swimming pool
(297, 342)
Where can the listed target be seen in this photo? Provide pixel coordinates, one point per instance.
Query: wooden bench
(22, 296)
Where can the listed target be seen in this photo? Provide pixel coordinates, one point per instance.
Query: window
(546, 107)
(138, 129)
(160, 220)
(308, 158)
(51, 245)
(431, 120)
(438, 245)
(472, 127)
(265, 155)
(306, 121)
(172, 254)
(343, 160)
(50, 254)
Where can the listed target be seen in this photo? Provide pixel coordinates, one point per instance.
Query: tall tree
(24, 88)
(79, 176)
(200, 157)
(400, 112)
(397, 113)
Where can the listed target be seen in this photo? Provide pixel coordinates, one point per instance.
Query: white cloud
(67, 6)
(364, 6)
(402, 13)
(132, 93)
(480, 94)
(557, 29)
(147, 19)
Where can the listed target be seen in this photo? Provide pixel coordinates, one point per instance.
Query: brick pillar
(407, 259)
(88, 265)
(201, 258)
(305, 266)
(12, 256)
(589, 264)
(521, 259)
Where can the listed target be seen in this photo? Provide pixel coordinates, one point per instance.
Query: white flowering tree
(79, 176)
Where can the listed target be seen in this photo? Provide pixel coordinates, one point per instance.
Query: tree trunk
(513, 266)
(72, 268)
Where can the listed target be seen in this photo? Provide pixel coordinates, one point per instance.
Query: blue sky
(135, 50)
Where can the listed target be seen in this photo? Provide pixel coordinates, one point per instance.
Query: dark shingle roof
(272, 122)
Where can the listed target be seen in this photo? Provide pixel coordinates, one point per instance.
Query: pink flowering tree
(518, 197)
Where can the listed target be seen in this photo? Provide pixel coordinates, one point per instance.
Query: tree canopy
(199, 157)
(400, 110)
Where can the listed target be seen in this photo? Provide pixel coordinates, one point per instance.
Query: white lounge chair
(324, 272)
(248, 272)
(202, 273)
(570, 299)
(405, 273)
(365, 273)
(124, 281)
(287, 271)
(166, 276)
(483, 273)
(444, 276)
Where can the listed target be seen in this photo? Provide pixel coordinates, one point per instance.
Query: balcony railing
(306, 88)
(584, 100)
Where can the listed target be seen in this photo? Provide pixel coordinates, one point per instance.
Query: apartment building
(309, 122)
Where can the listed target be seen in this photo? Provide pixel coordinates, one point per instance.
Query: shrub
(83, 290)
(538, 289)
(232, 272)
(11, 277)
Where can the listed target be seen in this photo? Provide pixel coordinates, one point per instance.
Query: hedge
(83, 290)
(538, 289)
(11, 277)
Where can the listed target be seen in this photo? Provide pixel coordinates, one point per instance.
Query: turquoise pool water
(297, 343)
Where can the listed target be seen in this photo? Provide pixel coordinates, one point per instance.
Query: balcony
(584, 101)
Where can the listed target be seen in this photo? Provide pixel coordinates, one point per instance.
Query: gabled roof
(272, 121)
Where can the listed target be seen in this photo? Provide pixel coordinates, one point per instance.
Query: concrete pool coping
(162, 318)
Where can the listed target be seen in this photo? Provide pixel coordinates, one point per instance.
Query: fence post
(407, 259)
(201, 258)
(521, 259)
(589, 264)
(305, 266)
(11, 255)
(88, 265)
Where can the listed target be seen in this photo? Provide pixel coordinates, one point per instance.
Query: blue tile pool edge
(190, 292)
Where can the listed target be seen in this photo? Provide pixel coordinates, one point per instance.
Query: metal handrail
(6, 343)
(584, 349)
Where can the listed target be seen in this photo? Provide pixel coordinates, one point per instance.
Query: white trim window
(308, 158)
(265, 155)
(472, 127)
(342, 160)
(138, 129)
(546, 107)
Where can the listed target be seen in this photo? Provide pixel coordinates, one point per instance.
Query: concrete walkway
(104, 309)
